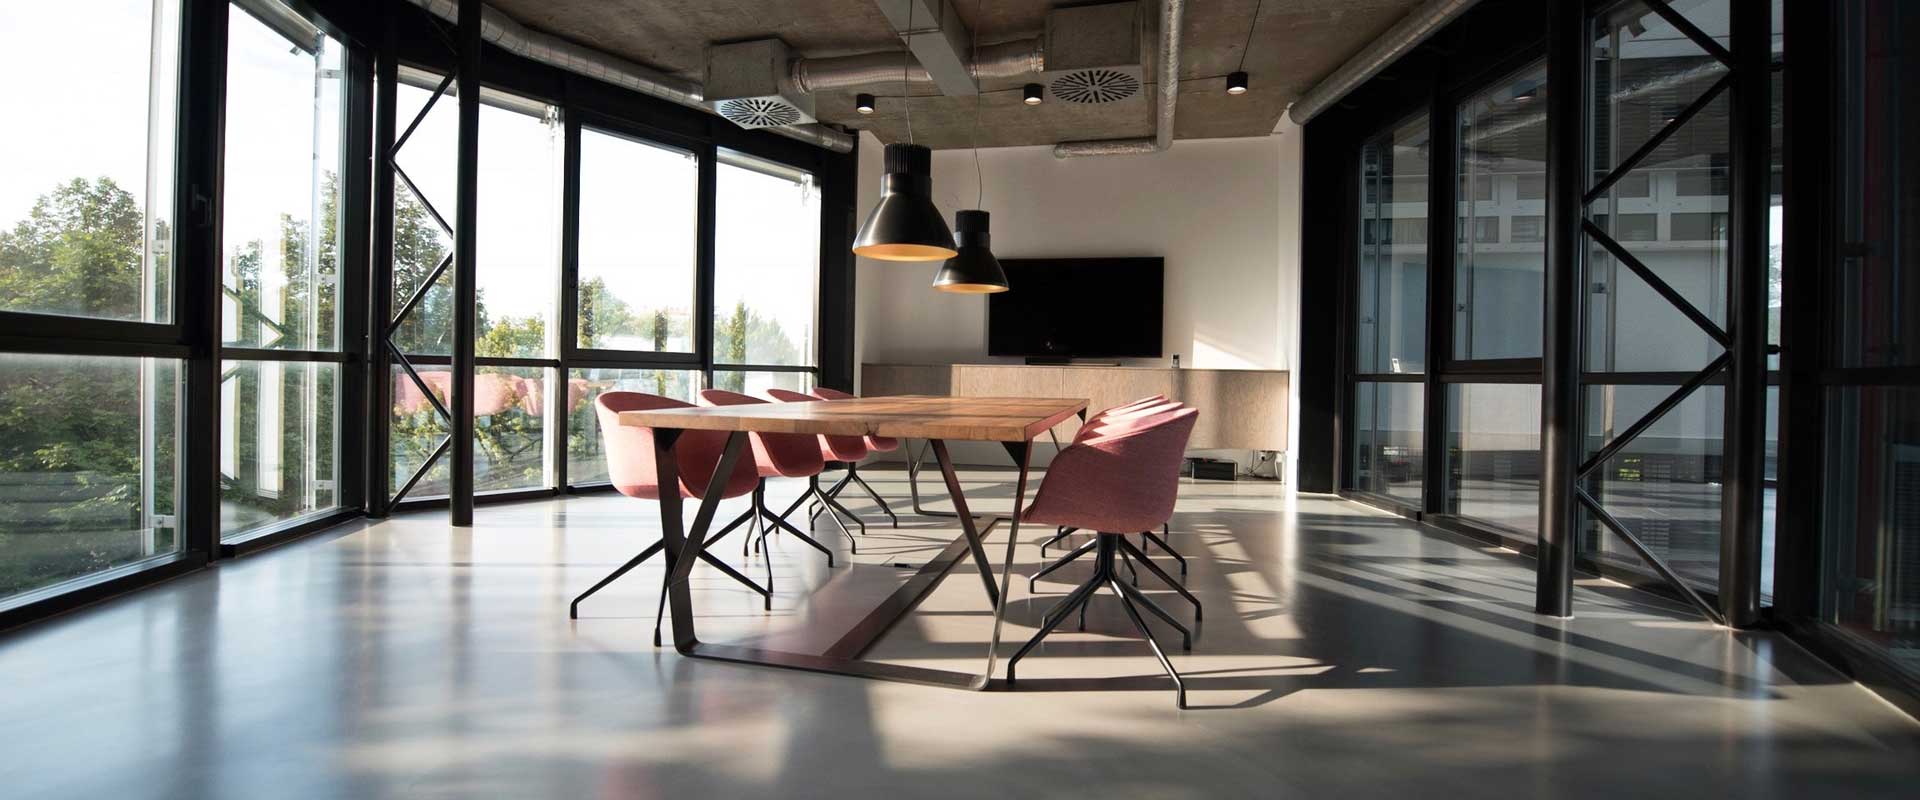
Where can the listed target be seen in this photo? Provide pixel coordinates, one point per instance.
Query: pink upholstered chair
(847, 450)
(1117, 480)
(875, 444)
(631, 469)
(775, 455)
(1093, 425)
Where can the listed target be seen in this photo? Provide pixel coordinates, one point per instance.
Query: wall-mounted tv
(1061, 308)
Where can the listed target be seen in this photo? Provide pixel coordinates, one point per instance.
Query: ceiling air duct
(1095, 54)
(749, 84)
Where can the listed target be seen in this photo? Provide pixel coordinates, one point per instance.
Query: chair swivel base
(1105, 547)
(657, 548)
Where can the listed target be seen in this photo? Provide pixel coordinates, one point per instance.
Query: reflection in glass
(1493, 446)
(509, 409)
(766, 263)
(86, 159)
(1392, 288)
(1872, 297)
(1871, 537)
(88, 466)
(757, 383)
(280, 217)
(637, 258)
(277, 445)
(586, 458)
(1665, 485)
(1389, 456)
(1497, 286)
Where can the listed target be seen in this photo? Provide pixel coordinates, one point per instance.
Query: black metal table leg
(967, 527)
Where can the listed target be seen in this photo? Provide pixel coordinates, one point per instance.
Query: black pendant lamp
(974, 270)
(905, 225)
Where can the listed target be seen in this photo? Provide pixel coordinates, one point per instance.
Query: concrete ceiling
(1296, 43)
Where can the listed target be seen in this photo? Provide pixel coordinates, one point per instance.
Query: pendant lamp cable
(979, 178)
(1250, 26)
(906, 52)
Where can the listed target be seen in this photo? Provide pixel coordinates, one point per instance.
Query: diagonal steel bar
(419, 118)
(419, 294)
(1653, 415)
(1686, 26)
(1600, 189)
(424, 202)
(1659, 286)
(1653, 560)
(401, 359)
(421, 472)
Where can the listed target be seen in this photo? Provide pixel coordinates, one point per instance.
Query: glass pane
(1871, 537)
(509, 429)
(1493, 444)
(1389, 455)
(414, 429)
(87, 466)
(757, 383)
(1665, 486)
(766, 263)
(1873, 298)
(519, 233)
(277, 442)
(282, 208)
(1392, 289)
(1497, 285)
(586, 459)
(87, 194)
(639, 212)
(1670, 211)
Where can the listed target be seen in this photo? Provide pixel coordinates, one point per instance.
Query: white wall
(1224, 213)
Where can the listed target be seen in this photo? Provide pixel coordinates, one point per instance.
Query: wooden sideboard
(1240, 409)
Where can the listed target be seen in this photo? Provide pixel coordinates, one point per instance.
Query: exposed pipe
(1002, 61)
(508, 34)
(1172, 15)
(1405, 35)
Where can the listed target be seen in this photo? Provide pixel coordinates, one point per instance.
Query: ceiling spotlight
(1033, 94)
(863, 103)
(1237, 83)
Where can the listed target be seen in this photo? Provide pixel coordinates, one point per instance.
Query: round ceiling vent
(759, 112)
(1095, 86)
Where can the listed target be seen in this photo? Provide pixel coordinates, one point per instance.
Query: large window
(1388, 455)
(1869, 586)
(88, 158)
(88, 466)
(281, 271)
(89, 431)
(1497, 285)
(518, 271)
(637, 246)
(766, 272)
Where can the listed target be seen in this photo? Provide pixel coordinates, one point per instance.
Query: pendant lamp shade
(905, 225)
(974, 270)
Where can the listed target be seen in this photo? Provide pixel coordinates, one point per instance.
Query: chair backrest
(1107, 420)
(629, 451)
(794, 455)
(835, 448)
(825, 393)
(1121, 479)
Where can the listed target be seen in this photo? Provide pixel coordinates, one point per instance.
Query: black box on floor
(1212, 469)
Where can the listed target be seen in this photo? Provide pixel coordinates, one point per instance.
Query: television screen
(1059, 308)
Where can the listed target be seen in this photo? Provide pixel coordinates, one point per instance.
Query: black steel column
(703, 291)
(1443, 234)
(1743, 462)
(355, 331)
(197, 204)
(1560, 440)
(567, 339)
(379, 411)
(465, 249)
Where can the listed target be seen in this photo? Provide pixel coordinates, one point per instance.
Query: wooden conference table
(1012, 421)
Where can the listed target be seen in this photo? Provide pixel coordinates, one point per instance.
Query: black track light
(1034, 94)
(863, 103)
(1237, 83)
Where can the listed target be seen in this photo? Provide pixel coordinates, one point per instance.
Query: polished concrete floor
(1344, 654)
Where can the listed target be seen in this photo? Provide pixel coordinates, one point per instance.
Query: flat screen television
(1062, 308)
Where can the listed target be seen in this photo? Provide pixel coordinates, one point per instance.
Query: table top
(994, 419)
